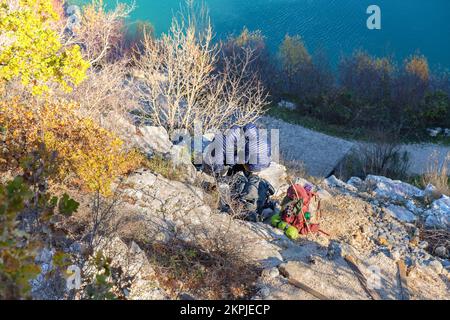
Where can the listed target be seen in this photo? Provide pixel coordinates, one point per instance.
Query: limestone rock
(439, 213)
(135, 266)
(386, 188)
(334, 182)
(400, 213)
(154, 140)
(356, 182)
(276, 175)
(303, 182)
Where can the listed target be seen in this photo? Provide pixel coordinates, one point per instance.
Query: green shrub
(26, 195)
(436, 110)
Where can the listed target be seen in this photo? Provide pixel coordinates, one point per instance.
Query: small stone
(267, 213)
(271, 273)
(186, 297)
(395, 254)
(264, 292)
(287, 105)
(154, 139)
(382, 241)
(423, 245)
(414, 241)
(436, 266)
(441, 252)
(358, 236)
(400, 213)
(356, 182)
(324, 195)
(75, 247)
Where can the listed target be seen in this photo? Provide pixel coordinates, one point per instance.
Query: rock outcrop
(373, 220)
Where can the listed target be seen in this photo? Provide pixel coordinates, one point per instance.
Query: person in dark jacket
(244, 151)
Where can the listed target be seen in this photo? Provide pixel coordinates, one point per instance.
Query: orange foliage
(84, 149)
(418, 66)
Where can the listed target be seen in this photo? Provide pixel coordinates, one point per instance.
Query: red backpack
(295, 209)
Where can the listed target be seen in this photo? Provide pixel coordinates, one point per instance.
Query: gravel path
(321, 153)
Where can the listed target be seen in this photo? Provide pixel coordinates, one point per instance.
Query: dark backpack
(254, 193)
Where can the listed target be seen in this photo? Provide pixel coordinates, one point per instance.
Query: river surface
(334, 26)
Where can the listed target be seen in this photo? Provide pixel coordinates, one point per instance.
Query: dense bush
(84, 149)
(365, 92)
(369, 92)
(295, 62)
(261, 63)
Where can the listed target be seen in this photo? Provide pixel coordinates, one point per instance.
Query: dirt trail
(321, 153)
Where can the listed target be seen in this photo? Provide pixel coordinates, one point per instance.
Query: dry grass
(296, 169)
(383, 157)
(205, 273)
(438, 174)
(435, 239)
(165, 168)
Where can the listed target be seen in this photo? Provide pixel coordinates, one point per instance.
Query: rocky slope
(358, 224)
(376, 221)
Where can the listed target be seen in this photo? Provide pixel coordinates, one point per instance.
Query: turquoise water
(336, 26)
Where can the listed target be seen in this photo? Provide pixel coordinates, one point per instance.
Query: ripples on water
(337, 26)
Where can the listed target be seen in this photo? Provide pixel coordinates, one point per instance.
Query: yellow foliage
(247, 37)
(84, 149)
(34, 53)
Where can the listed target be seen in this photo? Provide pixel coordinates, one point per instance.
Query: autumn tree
(181, 83)
(261, 63)
(32, 50)
(295, 61)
